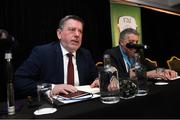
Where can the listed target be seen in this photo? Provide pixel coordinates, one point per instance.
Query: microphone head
(136, 46)
(7, 41)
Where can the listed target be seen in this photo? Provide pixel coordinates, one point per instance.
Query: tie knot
(69, 55)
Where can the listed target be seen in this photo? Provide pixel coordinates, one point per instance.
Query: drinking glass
(44, 89)
(160, 71)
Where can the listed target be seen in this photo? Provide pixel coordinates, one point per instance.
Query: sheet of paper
(87, 88)
(66, 101)
(175, 78)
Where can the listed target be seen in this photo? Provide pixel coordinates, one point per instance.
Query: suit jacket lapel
(60, 65)
(120, 58)
(79, 67)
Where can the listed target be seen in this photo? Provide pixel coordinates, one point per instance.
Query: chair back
(99, 65)
(174, 63)
(151, 63)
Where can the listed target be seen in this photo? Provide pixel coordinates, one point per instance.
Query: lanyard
(127, 60)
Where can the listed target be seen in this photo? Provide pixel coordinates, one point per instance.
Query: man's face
(130, 38)
(70, 35)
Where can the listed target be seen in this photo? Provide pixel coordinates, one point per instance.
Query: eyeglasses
(73, 29)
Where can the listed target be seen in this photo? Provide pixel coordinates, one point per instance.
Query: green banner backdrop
(124, 16)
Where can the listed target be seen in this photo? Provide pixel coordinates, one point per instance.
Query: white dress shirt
(65, 61)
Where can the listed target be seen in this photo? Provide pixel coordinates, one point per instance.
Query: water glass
(142, 83)
(160, 81)
(42, 88)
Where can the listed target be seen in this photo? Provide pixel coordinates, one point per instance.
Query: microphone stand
(8, 42)
(10, 86)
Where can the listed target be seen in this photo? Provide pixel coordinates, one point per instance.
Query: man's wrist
(160, 70)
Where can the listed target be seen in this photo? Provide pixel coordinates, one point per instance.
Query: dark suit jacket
(118, 62)
(46, 64)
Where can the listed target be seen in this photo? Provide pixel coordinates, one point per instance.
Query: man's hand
(132, 73)
(170, 74)
(165, 74)
(95, 83)
(114, 84)
(63, 88)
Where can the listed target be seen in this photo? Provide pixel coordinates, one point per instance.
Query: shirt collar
(64, 51)
(125, 57)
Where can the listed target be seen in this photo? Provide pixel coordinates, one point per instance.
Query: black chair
(152, 64)
(174, 63)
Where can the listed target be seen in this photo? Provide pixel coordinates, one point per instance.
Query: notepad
(87, 88)
(77, 94)
(85, 93)
(175, 78)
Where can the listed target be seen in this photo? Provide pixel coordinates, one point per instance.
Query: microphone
(136, 46)
(7, 41)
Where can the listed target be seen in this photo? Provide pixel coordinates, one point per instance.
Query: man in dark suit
(122, 57)
(48, 63)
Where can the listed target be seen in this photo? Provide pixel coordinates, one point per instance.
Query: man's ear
(121, 43)
(58, 31)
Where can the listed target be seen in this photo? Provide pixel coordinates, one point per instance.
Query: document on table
(88, 89)
(175, 78)
(92, 93)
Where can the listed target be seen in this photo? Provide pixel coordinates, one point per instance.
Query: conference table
(161, 102)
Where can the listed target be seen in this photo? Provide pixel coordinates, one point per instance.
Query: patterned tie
(70, 74)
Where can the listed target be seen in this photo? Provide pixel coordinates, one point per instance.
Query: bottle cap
(106, 56)
(8, 55)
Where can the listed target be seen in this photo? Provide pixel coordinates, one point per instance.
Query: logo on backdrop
(126, 22)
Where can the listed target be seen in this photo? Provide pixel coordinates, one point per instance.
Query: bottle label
(11, 110)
